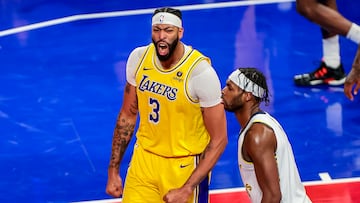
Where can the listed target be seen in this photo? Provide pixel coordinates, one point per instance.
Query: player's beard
(232, 108)
(234, 105)
(171, 46)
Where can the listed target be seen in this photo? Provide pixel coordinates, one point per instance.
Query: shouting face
(165, 38)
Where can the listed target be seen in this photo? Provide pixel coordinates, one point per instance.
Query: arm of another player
(353, 78)
(209, 94)
(260, 147)
(123, 132)
(215, 122)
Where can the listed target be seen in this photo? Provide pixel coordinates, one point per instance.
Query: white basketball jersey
(292, 190)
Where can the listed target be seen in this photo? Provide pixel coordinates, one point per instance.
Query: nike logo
(183, 166)
(146, 68)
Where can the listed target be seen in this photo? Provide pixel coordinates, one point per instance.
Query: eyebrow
(167, 27)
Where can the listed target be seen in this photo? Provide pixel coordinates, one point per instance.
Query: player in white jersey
(266, 161)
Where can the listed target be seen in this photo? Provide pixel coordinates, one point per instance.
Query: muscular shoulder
(259, 139)
(260, 134)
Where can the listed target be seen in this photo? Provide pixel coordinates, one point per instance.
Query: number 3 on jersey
(154, 115)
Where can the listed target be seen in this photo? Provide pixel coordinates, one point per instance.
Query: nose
(162, 34)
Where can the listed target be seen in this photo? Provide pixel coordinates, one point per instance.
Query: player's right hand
(352, 82)
(114, 185)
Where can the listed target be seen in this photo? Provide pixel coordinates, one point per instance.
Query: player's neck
(245, 114)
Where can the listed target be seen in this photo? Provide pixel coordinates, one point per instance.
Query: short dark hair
(174, 11)
(258, 78)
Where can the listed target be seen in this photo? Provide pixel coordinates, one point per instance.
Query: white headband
(166, 18)
(246, 84)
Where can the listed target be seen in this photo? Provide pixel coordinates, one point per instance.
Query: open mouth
(163, 48)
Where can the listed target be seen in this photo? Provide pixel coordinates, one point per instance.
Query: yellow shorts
(150, 177)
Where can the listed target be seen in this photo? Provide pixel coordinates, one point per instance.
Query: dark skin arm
(259, 147)
(123, 132)
(215, 123)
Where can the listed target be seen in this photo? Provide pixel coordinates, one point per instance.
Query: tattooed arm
(353, 78)
(123, 132)
(215, 123)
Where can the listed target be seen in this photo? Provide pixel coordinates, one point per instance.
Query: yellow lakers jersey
(171, 123)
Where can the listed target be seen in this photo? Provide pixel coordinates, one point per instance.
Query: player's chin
(225, 105)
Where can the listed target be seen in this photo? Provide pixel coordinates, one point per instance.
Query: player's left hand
(180, 195)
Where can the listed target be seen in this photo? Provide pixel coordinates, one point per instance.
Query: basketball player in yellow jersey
(182, 129)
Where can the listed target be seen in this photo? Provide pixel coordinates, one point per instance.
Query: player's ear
(248, 96)
(181, 33)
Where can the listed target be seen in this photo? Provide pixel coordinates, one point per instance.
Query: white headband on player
(246, 84)
(166, 18)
